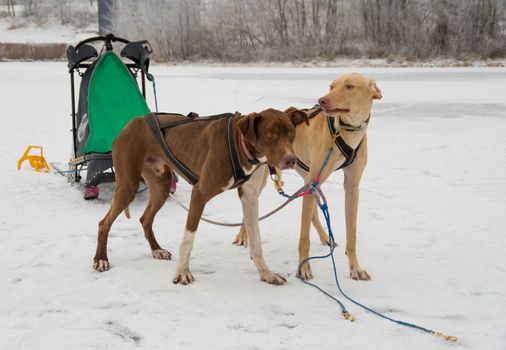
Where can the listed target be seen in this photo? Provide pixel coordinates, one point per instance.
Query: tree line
(287, 30)
(281, 30)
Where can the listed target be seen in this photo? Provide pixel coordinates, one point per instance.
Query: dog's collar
(352, 128)
(245, 150)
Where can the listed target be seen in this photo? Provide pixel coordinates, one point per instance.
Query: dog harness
(239, 176)
(349, 153)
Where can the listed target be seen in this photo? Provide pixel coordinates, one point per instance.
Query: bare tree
(30, 7)
(10, 7)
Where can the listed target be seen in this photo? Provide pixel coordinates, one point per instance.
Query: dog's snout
(289, 161)
(322, 101)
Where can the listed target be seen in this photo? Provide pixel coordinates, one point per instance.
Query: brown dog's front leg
(249, 200)
(241, 239)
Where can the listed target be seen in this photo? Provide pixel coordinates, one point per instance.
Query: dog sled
(110, 70)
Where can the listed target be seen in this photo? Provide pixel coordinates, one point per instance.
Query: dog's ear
(247, 126)
(375, 90)
(297, 116)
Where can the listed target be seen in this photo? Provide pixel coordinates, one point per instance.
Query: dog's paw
(101, 265)
(357, 273)
(327, 243)
(161, 254)
(325, 240)
(241, 240)
(273, 278)
(183, 277)
(305, 272)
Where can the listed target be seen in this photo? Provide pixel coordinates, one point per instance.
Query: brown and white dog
(203, 148)
(349, 101)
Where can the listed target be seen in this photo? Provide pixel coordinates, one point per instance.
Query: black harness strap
(317, 111)
(349, 153)
(152, 121)
(239, 176)
(194, 117)
(302, 165)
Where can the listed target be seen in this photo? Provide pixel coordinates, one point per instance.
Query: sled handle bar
(108, 39)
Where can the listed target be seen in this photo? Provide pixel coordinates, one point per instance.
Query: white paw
(273, 278)
(161, 254)
(101, 265)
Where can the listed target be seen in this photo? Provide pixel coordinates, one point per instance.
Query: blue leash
(63, 172)
(314, 189)
(68, 171)
(151, 78)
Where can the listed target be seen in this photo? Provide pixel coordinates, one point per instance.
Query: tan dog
(349, 101)
(203, 147)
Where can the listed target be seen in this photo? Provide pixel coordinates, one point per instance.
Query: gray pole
(105, 16)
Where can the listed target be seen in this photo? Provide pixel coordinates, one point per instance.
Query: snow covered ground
(52, 33)
(431, 224)
(46, 25)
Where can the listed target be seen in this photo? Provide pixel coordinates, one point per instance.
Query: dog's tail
(127, 213)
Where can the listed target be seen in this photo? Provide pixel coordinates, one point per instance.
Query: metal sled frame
(83, 56)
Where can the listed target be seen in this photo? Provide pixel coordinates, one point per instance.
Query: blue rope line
(77, 170)
(142, 190)
(152, 78)
(314, 189)
(326, 214)
(69, 171)
(341, 305)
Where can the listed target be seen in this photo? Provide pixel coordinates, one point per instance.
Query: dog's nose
(289, 161)
(322, 101)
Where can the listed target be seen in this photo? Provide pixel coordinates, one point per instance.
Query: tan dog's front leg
(315, 220)
(241, 239)
(310, 213)
(352, 176)
(249, 200)
(324, 237)
(308, 204)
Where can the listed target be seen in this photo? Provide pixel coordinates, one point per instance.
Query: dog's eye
(269, 135)
(349, 86)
